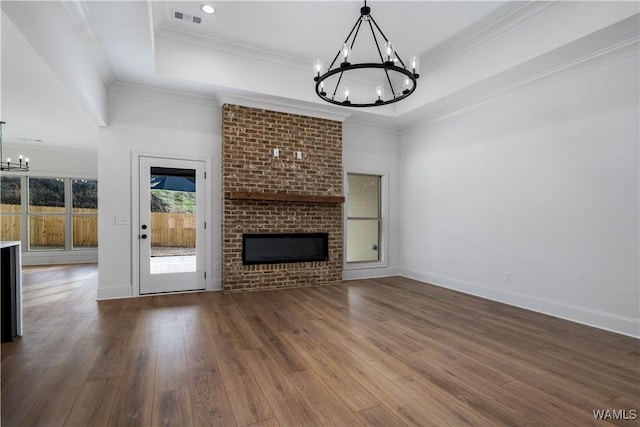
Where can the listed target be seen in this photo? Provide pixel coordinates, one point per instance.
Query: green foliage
(50, 192)
(85, 193)
(46, 192)
(173, 201)
(10, 190)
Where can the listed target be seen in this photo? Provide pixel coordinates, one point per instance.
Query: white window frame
(383, 246)
(68, 217)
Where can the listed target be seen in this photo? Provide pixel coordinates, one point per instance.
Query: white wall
(366, 149)
(543, 185)
(145, 121)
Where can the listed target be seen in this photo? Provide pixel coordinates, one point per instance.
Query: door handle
(143, 236)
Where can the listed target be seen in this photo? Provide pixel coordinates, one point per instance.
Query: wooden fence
(173, 229)
(47, 231)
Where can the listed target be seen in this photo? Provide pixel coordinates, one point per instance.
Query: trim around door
(210, 283)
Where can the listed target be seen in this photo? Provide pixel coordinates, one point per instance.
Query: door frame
(135, 217)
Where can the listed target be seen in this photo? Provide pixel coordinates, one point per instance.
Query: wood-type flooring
(381, 352)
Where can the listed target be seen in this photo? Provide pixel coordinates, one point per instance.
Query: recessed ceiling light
(207, 8)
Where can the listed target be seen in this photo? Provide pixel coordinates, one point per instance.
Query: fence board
(173, 229)
(168, 229)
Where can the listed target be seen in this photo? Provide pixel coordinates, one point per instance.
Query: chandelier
(397, 81)
(21, 166)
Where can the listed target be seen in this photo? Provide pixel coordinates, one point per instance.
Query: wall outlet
(299, 155)
(507, 276)
(276, 152)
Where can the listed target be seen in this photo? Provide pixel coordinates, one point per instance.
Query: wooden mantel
(284, 197)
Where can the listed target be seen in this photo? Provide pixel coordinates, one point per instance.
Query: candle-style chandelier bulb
(407, 86)
(322, 91)
(346, 51)
(414, 65)
(390, 54)
(346, 96)
(379, 94)
(317, 67)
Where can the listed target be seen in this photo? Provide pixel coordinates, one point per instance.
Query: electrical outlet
(299, 155)
(507, 276)
(276, 153)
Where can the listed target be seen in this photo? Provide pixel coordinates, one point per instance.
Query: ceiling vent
(185, 17)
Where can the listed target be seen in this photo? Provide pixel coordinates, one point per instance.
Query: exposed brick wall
(249, 136)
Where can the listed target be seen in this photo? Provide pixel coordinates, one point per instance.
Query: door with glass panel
(172, 223)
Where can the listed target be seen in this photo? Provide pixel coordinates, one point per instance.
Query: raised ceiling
(60, 58)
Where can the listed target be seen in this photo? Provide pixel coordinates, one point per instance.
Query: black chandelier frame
(8, 166)
(387, 66)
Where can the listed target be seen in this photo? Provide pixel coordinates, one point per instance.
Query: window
(46, 214)
(10, 208)
(84, 213)
(363, 218)
(59, 213)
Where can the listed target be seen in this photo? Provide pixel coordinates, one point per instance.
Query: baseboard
(369, 273)
(214, 285)
(59, 257)
(114, 292)
(584, 315)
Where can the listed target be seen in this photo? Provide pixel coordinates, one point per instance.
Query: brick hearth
(249, 136)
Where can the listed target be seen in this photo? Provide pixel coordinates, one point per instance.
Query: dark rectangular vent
(185, 17)
(276, 248)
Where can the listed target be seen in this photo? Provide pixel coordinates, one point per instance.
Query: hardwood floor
(383, 352)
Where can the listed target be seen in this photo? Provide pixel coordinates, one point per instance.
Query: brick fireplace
(285, 194)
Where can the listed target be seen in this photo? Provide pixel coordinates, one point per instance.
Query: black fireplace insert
(276, 248)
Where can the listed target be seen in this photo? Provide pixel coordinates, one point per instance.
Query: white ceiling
(38, 109)
(309, 30)
(257, 49)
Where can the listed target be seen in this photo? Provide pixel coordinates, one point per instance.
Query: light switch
(121, 220)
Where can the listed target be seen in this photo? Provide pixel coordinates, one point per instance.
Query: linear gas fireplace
(276, 248)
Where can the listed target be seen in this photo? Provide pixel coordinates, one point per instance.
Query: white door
(172, 225)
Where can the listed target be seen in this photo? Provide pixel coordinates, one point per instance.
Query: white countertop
(8, 243)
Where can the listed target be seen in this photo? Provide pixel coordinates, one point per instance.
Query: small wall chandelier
(21, 166)
(399, 79)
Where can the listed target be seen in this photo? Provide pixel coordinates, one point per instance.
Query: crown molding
(282, 106)
(38, 146)
(372, 126)
(163, 94)
(488, 27)
(611, 44)
(492, 25)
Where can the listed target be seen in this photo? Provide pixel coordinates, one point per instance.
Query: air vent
(185, 17)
